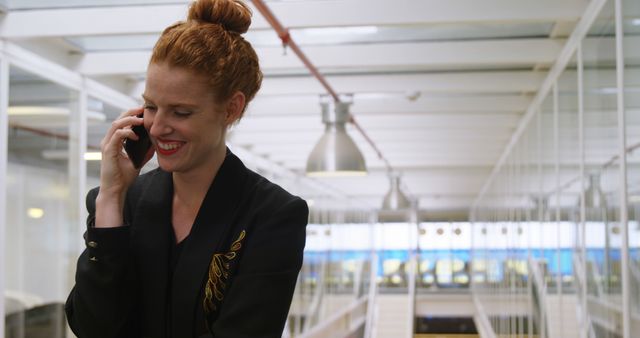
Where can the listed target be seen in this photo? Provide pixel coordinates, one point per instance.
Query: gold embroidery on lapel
(219, 273)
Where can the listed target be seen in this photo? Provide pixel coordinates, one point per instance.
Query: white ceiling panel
(387, 57)
(392, 104)
(438, 86)
(85, 20)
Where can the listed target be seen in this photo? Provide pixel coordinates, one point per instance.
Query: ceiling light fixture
(335, 154)
(395, 199)
(594, 198)
(48, 117)
(61, 154)
(35, 213)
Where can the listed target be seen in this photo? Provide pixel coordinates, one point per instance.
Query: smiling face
(186, 124)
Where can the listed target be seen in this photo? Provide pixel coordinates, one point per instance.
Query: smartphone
(137, 150)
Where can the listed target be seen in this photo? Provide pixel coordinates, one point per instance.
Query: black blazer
(235, 276)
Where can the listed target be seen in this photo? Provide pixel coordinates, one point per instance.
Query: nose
(157, 123)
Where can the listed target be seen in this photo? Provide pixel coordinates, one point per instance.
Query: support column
(77, 165)
(77, 178)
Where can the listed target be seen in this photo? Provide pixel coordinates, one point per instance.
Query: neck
(191, 187)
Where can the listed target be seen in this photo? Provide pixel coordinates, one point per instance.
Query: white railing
(413, 264)
(343, 323)
(481, 319)
(313, 311)
(369, 327)
(635, 272)
(582, 284)
(540, 290)
(358, 316)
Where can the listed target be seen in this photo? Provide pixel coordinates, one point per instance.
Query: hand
(117, 172)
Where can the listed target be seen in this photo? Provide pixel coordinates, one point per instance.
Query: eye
(182, 113)
(148, 107)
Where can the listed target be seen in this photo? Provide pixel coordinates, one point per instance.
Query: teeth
(168, 146)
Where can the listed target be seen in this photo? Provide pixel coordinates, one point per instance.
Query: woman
(201, 246)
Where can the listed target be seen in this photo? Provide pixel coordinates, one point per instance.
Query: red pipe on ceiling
(287, 41)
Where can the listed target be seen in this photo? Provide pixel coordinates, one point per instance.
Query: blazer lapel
(153, 223)
(209, 234)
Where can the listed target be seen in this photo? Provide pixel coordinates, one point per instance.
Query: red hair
(210, 43)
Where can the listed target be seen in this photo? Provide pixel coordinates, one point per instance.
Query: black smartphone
(137, 150)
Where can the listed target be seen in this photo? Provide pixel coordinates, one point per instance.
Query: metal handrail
(579, 273)
(591, 331)
(541, 292)
(412, 292)
(314, 307)
(481, 320)
(342, 323)
(635, 271)
(596, 277)
(369, 328)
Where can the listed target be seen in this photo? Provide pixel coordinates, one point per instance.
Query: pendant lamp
(594, 198)
(335, 154)
(541, 211)
(395, 199)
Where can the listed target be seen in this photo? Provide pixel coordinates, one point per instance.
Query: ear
(235, 107)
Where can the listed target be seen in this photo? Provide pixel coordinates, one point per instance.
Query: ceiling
(439, 86)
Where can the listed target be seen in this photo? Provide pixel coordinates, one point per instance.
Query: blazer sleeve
(257, 302)
(101, 303)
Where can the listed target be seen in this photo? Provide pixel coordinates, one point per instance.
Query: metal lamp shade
(335, 154)
(395, 199)
(594, 198)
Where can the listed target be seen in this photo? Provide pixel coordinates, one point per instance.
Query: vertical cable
(4, 143)
(584, 331)
(622, 155)
(542, 206)
(556, 142)
(529, 176)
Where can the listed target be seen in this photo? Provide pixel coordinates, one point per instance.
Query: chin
(167, 166)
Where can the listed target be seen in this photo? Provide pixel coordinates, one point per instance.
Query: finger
(122, 123)
(115, 144)
(132, 112)
(127, 122)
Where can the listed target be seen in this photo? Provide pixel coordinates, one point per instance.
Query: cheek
(147, 120)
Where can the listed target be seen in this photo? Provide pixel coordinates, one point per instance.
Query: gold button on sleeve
(93, 259)
(92, 244)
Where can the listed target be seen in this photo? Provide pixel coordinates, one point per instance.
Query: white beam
(90, 21)
(378, 136)
(113, 63)
(473, 82)
(433, 162)
(395, 147)
(399, 57)
(305, 105)
(55, 73)
(470, 122)
(434, 83)
(406, 159)
(462, 181)
(127, 19)
(476, 82)
(389, 56)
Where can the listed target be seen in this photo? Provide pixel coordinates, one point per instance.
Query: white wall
(40, 253)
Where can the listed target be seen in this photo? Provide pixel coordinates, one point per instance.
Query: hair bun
(232, 15)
